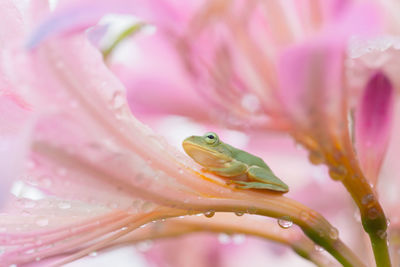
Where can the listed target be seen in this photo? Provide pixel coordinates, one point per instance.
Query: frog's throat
(193, 149)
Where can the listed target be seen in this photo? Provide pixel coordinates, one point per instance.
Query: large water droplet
(42, 221)
(316, 157)
(285, 222)
(209, 213)
(338, 173)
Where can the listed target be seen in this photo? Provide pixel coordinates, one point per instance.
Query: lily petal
(373, 124)
(15, 129)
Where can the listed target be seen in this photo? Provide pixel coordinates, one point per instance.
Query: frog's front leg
(231, 169)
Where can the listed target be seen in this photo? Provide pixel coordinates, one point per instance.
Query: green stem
(381, 250)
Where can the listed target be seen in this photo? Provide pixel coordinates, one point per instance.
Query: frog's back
(247, 158)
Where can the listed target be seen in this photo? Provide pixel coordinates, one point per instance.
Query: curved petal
(373, 124)
(15, 130)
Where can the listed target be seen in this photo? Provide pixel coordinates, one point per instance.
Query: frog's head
(207, 150)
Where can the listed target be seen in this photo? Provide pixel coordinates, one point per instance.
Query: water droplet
(147, 207)
(238, 239)
(333, 233)
(117, 100)
(368, 198)
(251, 210)
(30, 251)
(315, 157)
(37, 259)
(42, 222)
(144, 245)
(250, 102)
(372, 213)
(337, 173)
(304, 215)
(239, 213)
(382, 234)
(209, 213)
(318, 248)
(388, 222)
(93, 254)
(224, 238)
(64, 205)
(285, 222)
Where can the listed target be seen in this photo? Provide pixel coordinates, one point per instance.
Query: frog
(241, 168)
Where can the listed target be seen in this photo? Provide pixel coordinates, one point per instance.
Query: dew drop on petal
(318, 248)
(30, 251)
(333, 233)
(239, 213)
(285, 222)
(42, 221)
(144, 245)
(366, 199)
(147, 207)
(209, 213)
(93, 254)
(304, 215)
(64, 205)
(117, 100)
(238, 239)
(250, 102)
(224, 238)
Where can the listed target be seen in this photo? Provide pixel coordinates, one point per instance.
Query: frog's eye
(211, 138)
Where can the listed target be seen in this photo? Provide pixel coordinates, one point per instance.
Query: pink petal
(373, 123)
(77, 15)
(15, 130)
(310, 78)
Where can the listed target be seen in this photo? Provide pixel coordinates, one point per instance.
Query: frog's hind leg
(265, 179)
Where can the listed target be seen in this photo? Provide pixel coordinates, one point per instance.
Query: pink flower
(99, 173)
